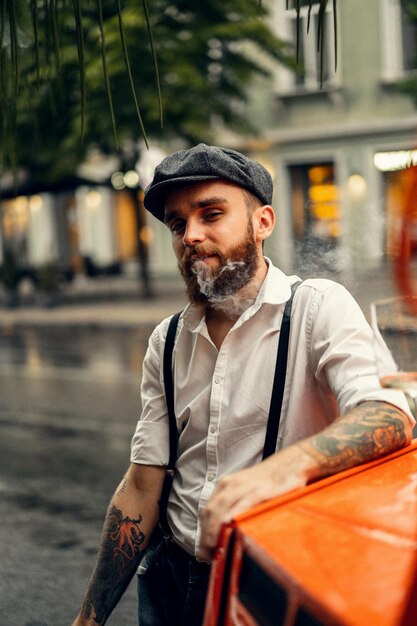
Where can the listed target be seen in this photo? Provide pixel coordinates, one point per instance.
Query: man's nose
(194, 233)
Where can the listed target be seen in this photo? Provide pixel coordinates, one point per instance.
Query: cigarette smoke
(225, 296)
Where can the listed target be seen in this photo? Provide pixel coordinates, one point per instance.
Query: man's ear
(263, 222)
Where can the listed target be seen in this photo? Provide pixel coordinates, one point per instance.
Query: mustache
(202, 251)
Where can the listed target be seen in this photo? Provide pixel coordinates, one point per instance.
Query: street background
(69, 403)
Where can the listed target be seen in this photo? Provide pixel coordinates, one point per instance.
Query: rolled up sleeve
(343, 349)
(150, 442)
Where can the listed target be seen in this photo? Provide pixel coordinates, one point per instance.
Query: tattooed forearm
(128, 538)
(372, 430)
(117, 562)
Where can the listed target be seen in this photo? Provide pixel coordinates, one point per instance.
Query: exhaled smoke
(232, 296)
(213, 288)
(234, 306)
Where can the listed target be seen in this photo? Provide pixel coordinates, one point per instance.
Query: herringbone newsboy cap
(201, 163)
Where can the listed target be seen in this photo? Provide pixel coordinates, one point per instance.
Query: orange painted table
(340, 552)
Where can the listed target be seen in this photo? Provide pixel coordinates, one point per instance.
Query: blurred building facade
(336, 145)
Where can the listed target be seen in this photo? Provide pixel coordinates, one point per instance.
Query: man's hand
(371, 430)
(283, 472)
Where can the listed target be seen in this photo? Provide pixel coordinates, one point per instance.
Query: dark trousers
(172, 586)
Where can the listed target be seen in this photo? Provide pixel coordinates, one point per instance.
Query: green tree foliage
(410, 7)
(409, 84)
(56, 101)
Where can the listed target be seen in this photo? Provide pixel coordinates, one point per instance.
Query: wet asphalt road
(69, 401)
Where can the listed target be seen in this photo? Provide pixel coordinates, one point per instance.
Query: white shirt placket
(214, 425)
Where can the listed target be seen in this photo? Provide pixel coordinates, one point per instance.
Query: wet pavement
(68, 406)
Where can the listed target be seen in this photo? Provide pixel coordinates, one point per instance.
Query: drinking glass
(394, 324)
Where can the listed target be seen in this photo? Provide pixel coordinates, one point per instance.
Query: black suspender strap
(173, 434)
(279, 378)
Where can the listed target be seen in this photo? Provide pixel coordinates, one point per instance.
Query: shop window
(409, 44)
(14, 226)
(397, 173)
(126, 227)
(316, 215)
(396, 186)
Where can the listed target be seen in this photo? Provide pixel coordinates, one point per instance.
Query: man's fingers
(230, 499)
(206, 554)
(233, 495)
(217, 513)
(211, 522)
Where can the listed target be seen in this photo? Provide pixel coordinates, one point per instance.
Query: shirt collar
(276, 289)
(193, 317)
(277, 285)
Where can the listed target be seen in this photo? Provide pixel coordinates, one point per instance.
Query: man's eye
(176, 226)
(213, 215)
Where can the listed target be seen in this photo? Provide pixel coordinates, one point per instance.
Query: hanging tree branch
(129, 71)
(105, 72)
(80, 50)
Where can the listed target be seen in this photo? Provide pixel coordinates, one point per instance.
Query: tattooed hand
(371, 430)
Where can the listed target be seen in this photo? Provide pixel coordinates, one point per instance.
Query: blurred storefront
(315, 214)
(398, 170)
(89, 229)
(93, 224)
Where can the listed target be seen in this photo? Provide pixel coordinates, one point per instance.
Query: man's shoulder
(161, 328)
(157, 338)
(324, 292)
(322, 285)
(281, 282)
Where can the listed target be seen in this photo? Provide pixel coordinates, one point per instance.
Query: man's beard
(236, 268)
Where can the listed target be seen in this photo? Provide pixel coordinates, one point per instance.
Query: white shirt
(222, 397)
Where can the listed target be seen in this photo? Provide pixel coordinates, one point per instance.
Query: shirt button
(210, 478)
(213, 429)
(217, 380)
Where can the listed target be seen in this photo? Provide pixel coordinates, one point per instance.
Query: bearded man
(333, 413)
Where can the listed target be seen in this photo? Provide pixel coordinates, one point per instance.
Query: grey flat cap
(206, 163)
